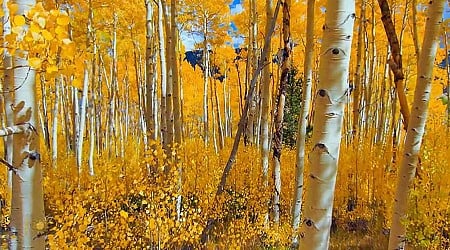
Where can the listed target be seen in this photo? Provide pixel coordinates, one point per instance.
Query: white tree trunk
(416, 128)
(303, 122)
(205, 81)
(55, 123)
(162, 61)
(150, 71)
(330, 103)
(82, 124)
(27, 209)
(265, 104)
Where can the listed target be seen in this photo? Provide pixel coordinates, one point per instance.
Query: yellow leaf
(124, 214)
(40, 225)
(35, 62)
(19, 20)
(34, 28)
(63, 20)
(41, 21)
(78, 84)
(47, 35)
(36, 36)
(66, 41)
(60, 30)
(54, 12)
(152, 224)
(52, 69)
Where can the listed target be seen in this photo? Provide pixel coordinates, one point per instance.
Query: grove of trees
(194, 124)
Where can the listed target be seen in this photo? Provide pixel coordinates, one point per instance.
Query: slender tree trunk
(331, 94)
(44, 123)
(265, 104)
(150, 83)
(170, 56)
(82, 123)
(303, 122)
(163, 65)
(219, 117)
(252, 64)
(359, 61)
(279, 112)
(395, 62)
(242, 121)
(54, 147)
(415, 35)
(414, 135)
(205, 81)
(175, 78)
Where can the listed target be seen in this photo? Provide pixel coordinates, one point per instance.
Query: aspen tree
(359, 64)
(252, 61)
(205, 80)
(55, 121)
(395, 61)
(303, 121)
(416, 128)
(82, 122)
(242, 121)
(279, 111)
(175, 77)
(265, 104)
(163, 68)
(27, 208)
(331, 94)
(150, 72)
(170, 57)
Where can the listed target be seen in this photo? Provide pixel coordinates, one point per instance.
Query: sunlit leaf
(19, 20)
(52, 69)
(47, 35)
(62, 20)
(35, 62)
(124, 214)
(41, 21)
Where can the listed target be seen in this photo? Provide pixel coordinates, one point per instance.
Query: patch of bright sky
(190, 39)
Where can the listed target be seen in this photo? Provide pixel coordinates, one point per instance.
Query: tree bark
(303, 122)
(357, 79)
(27, 208)
(279, 111)
(331, 94)
(265, 105)
(163, 65)
(242, 121)
(395, 62)
(150, 71)
(414, 134)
